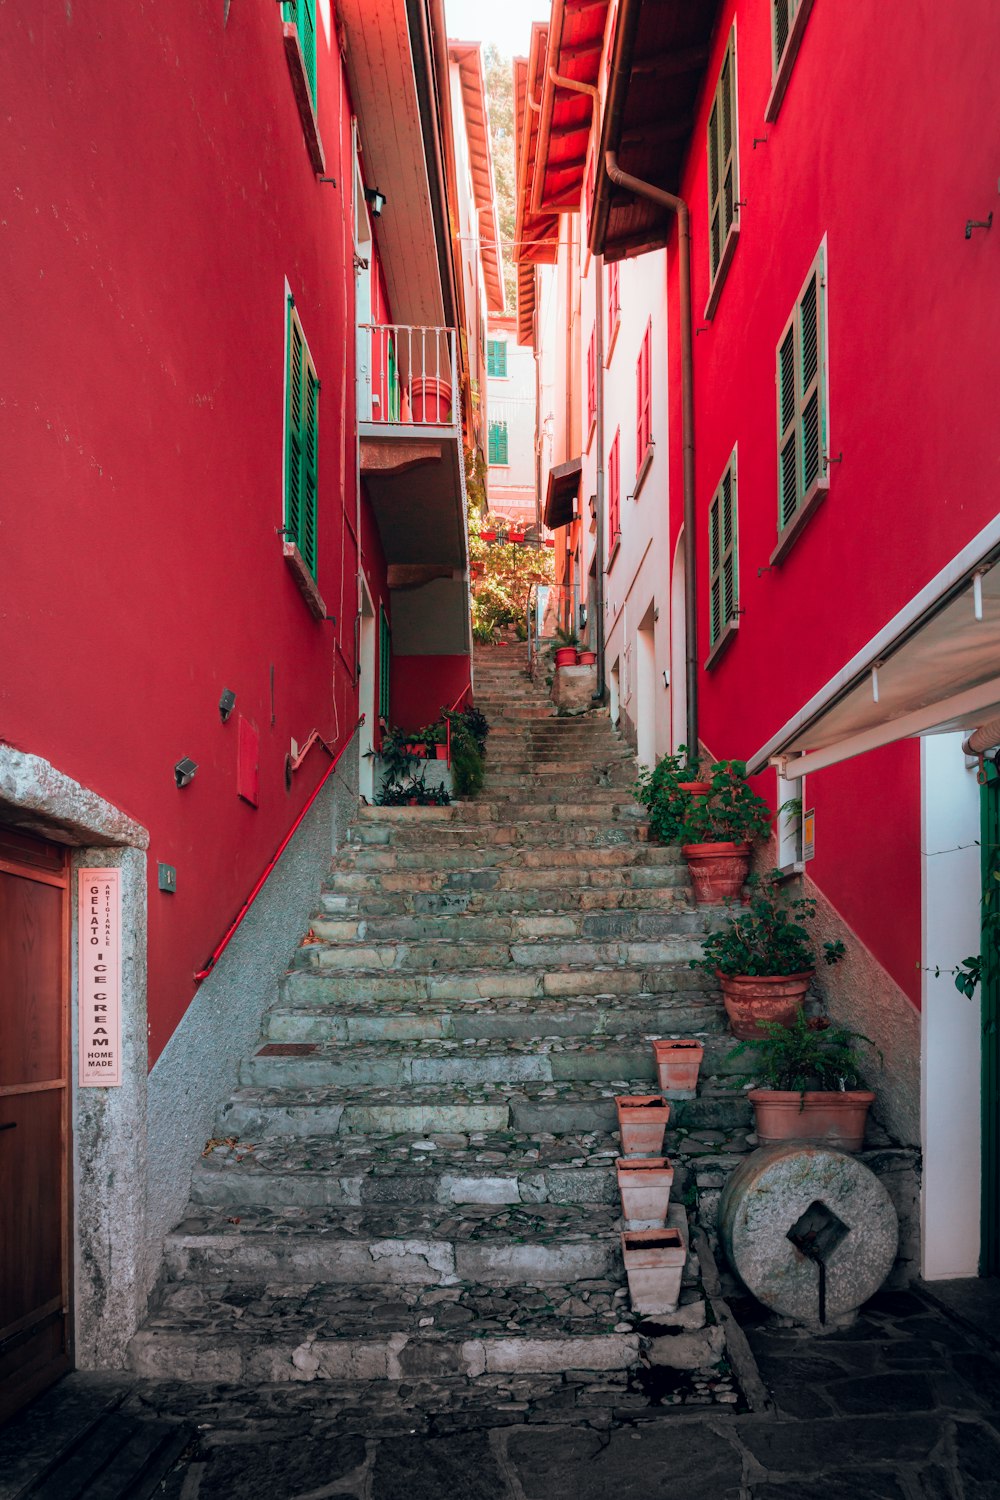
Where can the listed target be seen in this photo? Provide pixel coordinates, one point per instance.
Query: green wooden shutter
(384, 664)
(496, 358)
(723, 186)
(301, 444)
(801, 392)
(393, 381)
(723, 584)
(498, 443)
(303, 13)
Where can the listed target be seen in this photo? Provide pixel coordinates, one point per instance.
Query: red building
(231, 306)
(837, 524)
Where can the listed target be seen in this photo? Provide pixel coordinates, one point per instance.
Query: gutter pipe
(599, 456)
(679, 208)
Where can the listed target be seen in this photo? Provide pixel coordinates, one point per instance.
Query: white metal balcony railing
(407, 375)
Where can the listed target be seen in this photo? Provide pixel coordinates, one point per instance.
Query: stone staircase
(415, 1179)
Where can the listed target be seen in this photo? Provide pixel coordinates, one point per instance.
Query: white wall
(950, 1043)
(512, 400)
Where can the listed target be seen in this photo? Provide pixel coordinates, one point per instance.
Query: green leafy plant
(431, 734)
(467, 765)
(767, 938)
(398, 760)
(474, 722)
(414, 793)
(731, 813)
(659, 791)
(805, 1055)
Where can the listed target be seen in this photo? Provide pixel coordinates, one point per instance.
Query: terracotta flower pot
(566, 656)
(677, 1062)
(430, 400)
(695, 788)
(718, 871)
(487, 536)
(515, 536)
(550, 541)
(644, 1183)
(587, 658)
(820, 1117)
(440, 752)
(418, 749)
(753, 998)
(642, 1123)
(654, 1263)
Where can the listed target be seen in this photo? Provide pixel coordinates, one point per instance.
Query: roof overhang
(562, 493)
(574, 51)
(536, 236)
(659, 55)
(469, 58)
(381, 68)
(934, 667)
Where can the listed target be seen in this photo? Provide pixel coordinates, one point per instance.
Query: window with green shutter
(384, 664)
(303, 13)
(801, 380)
(498, 443)
(723, 558)
(496, 359)
(301, 442)
(788, 22)
(723, 174)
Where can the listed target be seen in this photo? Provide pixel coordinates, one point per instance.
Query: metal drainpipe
(599, 456)
(538, 413)
(680, 208)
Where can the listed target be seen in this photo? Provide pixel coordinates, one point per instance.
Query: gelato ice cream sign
(99, 912)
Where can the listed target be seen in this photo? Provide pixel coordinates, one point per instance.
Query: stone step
(425, 833)
(340, 1020)
(666, 983)
(553, 855)
(544, 955)
(224, 1331)
(599, 803)
(403, 1063)
(514, 927)
(552, 1108)
(615, 878)
(392, 1245)
(495, 1167)
(377, 902)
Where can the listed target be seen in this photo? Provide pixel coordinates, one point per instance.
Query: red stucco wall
(424, 685)
(156, 198)
(879, 147)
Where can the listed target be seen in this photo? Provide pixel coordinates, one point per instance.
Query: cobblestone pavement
(904, 1405)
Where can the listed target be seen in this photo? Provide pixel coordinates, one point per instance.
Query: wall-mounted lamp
(226, 703)
(184, 771)
(376, 201)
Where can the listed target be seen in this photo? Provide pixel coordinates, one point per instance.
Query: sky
(505, 22)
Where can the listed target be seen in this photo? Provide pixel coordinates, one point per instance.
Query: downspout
(678, 207)
(599, 486)
(538, 411)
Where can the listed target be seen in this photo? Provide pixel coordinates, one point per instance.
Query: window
(496, 359)
(384, 664)
(723, 176)
(723, 564)
(801, 377)
(788, 22)
(303, 14)
(301, 443)
(498, 443)
(614, 297)
(643, 404)
(592, 379)
(614, 493)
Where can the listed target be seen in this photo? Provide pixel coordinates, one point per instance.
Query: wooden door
(34, 1118)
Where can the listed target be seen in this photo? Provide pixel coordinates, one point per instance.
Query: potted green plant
(432, 737)
(662, 792)
(566, 653)
(807, 1084)
(763, 958)
(717, 831)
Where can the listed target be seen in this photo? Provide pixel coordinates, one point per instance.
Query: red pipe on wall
(231, 933)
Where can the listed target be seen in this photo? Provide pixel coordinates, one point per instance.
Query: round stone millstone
(812, 1233)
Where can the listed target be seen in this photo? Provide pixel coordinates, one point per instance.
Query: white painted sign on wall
(99, 919)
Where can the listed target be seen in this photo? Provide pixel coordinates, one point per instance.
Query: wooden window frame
(298, 26)
(614, 310)
(796, 438)
(614, 497)
(300, 476)
(723, 563)
(783, 58)
(723, 166)
(643, 407)
(591, 384)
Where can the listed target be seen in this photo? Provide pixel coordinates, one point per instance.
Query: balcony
(413, 469)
